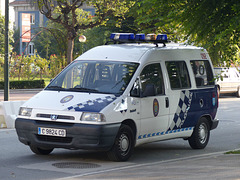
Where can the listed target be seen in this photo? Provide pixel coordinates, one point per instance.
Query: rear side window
(178, 74)
(202, 72)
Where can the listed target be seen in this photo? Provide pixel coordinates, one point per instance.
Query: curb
(22, 90)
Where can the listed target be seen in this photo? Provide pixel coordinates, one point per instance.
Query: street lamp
(6, 59)
(82, 39)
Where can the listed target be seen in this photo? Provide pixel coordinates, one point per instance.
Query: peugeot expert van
(118, 96)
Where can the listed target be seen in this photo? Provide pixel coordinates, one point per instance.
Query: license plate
(52, 132)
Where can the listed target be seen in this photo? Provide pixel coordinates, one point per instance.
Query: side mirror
(149, 90)
(135, 92)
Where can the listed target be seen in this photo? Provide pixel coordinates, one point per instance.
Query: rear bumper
(214, 124)
(79, 136)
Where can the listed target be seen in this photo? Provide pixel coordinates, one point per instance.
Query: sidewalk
(214, 166)
(9, 109)
(217, 166)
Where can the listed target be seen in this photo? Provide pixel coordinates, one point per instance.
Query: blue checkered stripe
(95, 105)
(164, 132)
(182, 110)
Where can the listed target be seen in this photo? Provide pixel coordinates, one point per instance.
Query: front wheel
(123, 146)
(40, 151)
(201, 134)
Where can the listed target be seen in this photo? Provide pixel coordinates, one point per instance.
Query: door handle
(167, 102)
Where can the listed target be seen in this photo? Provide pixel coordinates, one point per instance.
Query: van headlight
(23, 111)
(96, 117)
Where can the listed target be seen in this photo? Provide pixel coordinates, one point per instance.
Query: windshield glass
(94, 76)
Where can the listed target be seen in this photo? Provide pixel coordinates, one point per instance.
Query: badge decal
(53, 117)
(66, 99)
(155, 107)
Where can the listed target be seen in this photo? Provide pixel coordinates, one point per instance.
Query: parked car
(228, 80)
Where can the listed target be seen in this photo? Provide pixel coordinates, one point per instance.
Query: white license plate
(52, 132)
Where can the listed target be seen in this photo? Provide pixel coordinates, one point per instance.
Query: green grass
(233, 152)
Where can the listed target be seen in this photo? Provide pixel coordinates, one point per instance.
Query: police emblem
(66, 99)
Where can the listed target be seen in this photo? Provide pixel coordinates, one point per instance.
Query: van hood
(70, 101)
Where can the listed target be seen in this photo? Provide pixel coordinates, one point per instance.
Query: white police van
(115, 97)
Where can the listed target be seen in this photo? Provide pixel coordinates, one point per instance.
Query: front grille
(47, 123)
(54, 139)
(58, 116)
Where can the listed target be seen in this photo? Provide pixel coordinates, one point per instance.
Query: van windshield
(94, 77)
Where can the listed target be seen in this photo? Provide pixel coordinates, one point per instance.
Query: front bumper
(79, 136)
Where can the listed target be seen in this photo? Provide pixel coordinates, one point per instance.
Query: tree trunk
(70, 45)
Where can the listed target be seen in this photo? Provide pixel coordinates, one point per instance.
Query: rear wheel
(123, 146)
(238, 92)
(218, 91)
(201, 134)
(40, 151)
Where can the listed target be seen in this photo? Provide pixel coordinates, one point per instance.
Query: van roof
(128, 52)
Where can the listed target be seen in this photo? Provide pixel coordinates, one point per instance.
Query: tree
(215, 25)
(16, 43)
(50, 40)
(2, 35)
(151, 16)
(2, 31)
(211, 24)
(66, 13)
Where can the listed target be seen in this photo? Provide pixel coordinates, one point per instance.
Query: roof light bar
(162, 37)
(122, 36)
(151, 37)
(112, 36)
(138, 38)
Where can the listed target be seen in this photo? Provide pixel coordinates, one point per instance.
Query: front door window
(154, 111)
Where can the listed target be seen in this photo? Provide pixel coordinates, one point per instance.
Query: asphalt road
(173, 159)
(19, 94)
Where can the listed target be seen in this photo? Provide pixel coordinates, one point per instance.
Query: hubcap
(203, 133)
(124, 143)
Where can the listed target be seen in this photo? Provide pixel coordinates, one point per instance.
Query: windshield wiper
(82, 89)
(58, 88)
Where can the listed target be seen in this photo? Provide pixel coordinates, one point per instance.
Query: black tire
(123, 146)
(201, 134)
(238, 92)
(40, 151)
(218, 91)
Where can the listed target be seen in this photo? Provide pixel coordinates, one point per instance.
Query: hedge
(24, 84)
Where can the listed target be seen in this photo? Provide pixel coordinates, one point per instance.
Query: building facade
(11, 12)
(28, 19)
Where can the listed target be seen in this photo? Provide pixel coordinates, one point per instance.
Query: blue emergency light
(112, 36)
(138, 38)
(122, 36)
(161, 37)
